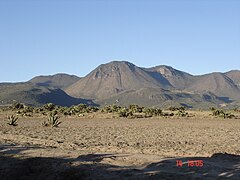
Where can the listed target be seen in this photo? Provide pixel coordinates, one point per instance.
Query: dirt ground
(100, 148)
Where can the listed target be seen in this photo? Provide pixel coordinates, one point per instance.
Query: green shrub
(165, 114)
(111, 109)
(149, 112)
(172, 108)
(124, 112)
(49, 106)
(182, 113)
(236, 110)
(222, 114)
(136, 108)
(181, 108)
(17, 106)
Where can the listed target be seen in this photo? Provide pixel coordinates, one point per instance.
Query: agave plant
(53, 121)
(12, 120)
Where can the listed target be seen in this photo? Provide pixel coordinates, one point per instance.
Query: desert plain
(107, 147)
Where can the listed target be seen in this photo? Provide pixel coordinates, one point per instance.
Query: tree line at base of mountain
(131, 111)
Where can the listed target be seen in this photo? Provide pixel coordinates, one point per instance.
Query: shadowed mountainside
(31, 94)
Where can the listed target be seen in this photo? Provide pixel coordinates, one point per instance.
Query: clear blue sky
(39, 37)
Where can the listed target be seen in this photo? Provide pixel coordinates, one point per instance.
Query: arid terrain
(102, 147)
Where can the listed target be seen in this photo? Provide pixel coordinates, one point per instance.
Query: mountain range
(124, 83)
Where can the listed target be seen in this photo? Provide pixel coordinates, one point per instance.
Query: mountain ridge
(59, 80)
(125, 83)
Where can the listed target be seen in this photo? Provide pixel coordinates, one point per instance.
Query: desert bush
(165, 114)
(149, 112)
(38, 110)
(182, 113)
(17, 106)
(181, 108)
(222, 114)
(132, 111)
(52, 121)
(111, 109)
(124, 112)
(49, 106)
(53, 113)
(212, 108)
(236, 110)
(92, 109)
(79, 109)
(172, 108)
(28, 109)
(66, 113)
(12, 120)
(157, 112)
(136, 108)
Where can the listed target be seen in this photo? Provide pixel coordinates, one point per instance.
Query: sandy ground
(98, 148)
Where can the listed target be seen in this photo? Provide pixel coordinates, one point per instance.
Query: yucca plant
(53, 121)
(12, 120)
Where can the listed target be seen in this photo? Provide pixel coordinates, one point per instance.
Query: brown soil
(101, 148)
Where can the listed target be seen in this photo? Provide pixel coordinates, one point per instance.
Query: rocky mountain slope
(113, 78)
(125, 83)
(57, 81)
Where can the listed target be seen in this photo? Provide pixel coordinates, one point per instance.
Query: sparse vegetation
(12, 120)
(221, 113)
(182, 113)
(125, 112)
(236, 110)
(181, 108)
(17, 106)
(131, 111)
